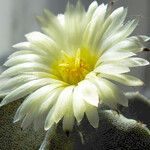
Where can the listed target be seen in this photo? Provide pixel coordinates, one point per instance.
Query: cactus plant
(115, 132)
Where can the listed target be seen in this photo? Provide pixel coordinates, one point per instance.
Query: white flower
(66, 72)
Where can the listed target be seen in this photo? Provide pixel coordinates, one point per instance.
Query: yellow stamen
(77, 58)
(73, 69)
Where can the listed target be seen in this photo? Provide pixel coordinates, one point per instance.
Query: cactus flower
(68, 70)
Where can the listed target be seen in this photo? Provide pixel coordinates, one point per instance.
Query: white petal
(50, 99)
(74, 20)
(125, 31)
(122, 64)
(3, 94)
(48, 20)
(25, 89)
(131, 44)
(134, 62)
(92, 115)
(23, 45)
(43, 42)
(92, 34)
(40, 74)
(68, 121)
(21, 52)
(124, 79)
(78, 104)
(45, 107)
(25, 67)
(51, 25)
(111, 56)
(91, 10)
(117, 17)
(144, 38)
(25, 58)
(36, 99)
(111, 69)
(79, 8)
(39, 39)
(17, 81)
(49, 120)
(89, 92)
(28, 119)
(27, 46)
(109, 93)
(61, 19)
(100, 12)
(63, 103)
(60, 108)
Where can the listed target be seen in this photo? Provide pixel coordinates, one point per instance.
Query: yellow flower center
(73, 69)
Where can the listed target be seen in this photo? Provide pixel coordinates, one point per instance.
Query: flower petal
(68, 121)
(78, 104)
(124, 79)
(109, 93)
(43, 42)
(51, 25)
(125, 31)
(27, 47)
(144, 38)
(91, 11)
(25, 67)
(60, 108)
(17, 81)
(92, 115)
(116, 18)
(24, 90)
(112, 56)
(131, 44)
(35, 100)
(45, 107)
(134, 62)
(89, 92)
(92, 29)
(28, 119)
(26, 58)
(111, 69)
(21, 52)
